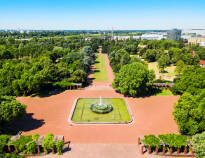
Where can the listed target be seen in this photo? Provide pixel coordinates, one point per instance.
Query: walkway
(152, 115)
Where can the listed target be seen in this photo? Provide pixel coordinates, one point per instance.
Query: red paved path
(151, 115)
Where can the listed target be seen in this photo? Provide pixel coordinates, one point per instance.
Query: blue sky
(102, 14)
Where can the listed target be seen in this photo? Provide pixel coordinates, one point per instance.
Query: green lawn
(169, 75)
(165, 92)
(100, 72)
(83, 114)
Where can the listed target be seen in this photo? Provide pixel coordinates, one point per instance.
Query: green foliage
(174, 140)
(179, 66)
(3, 141)
(191, 80)
(31, 147)
(59, 146)
(198, 143)
(35, 137)
(151, 140)
(63, 84)
(48, 143)
(10, 109)
(20, 144)
(189, 113)
(8, 155)
(163, 61)
(133, 79)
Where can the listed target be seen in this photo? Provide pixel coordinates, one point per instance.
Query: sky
(102, 14)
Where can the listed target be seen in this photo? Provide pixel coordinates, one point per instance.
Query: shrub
(48, 143)
(35, 137)
(31, 147)
(3, 141)
(198, 143)
(174, 140)
(20, 144)
(59, 146)
(8, 155)
(151, 140)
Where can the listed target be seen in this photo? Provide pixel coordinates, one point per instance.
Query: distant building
(121, 37)
(152, 36)
(174, 35)
(202, 44)
(197, 40)
(202, 63)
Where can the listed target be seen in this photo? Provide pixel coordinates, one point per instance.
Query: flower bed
(166, 144)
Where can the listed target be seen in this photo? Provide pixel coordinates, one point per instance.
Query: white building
(153, 36)
(202, 44)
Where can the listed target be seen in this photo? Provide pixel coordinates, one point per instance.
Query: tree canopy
(10, 109)
(191, 80)
(133, 79)
(189, 113)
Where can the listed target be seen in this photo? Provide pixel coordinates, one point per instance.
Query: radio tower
(112, 33)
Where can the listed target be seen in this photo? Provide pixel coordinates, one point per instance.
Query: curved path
(152, 115)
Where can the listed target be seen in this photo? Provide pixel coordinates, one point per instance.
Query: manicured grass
(165, 92)
(83, 114)
(100, 72)
(169, 75)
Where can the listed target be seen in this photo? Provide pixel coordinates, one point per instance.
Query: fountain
(100, 107)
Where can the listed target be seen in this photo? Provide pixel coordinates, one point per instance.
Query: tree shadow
(96, 70)
(48, 93)
(97, 62)
(27, 123)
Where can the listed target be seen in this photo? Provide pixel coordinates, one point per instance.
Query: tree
(10, 109)
(133, 79)
(189, 113)
(198, 143)
(163, 61)
(191, 80)
(179, 67)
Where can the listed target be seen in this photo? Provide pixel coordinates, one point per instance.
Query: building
(121, 37)
(196, 40)
(174, 35)
(202, 44)
(153, 36)
(194, 31)
(202, 63)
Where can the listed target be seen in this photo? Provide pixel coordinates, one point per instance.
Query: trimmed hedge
(170, 140)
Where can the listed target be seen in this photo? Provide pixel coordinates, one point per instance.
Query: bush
(174, 140)
(20, 144)
(3, 141)
(198, 143)
(7, 155)
(48, 143)
(59, 146)
(151, 140)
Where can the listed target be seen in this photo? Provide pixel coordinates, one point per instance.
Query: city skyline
(103, 15)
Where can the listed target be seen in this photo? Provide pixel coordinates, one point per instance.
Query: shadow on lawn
(96, 70)
(27, 123)
(152, 92)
